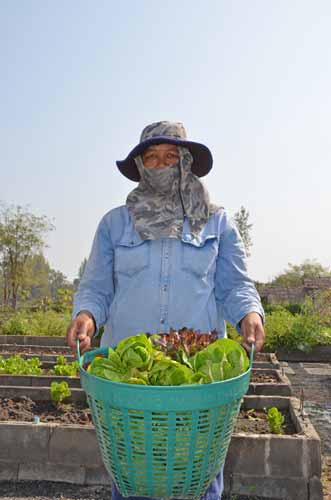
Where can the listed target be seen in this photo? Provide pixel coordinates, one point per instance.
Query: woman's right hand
(82, 328)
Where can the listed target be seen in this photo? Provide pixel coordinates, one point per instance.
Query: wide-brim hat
(170, 133)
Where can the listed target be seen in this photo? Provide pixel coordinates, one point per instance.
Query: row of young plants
(16, 365)
(60, 391)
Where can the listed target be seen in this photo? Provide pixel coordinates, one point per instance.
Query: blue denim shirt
(133, 286)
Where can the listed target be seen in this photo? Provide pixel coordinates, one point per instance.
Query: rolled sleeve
(96, 288)
(235, 291)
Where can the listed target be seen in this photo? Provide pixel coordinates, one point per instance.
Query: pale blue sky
(250, 78)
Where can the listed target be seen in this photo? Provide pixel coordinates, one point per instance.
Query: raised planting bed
(40, 340)
(37, 380)
(263, 382)
(318, 354)
(37, 393)
(33, 340)
(36, 350)
(46, 359)
(269, 383)
(266, 360)
(276, 466)
(284, 466)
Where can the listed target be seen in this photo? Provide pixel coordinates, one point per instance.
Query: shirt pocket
(200, 261)
(131, 259)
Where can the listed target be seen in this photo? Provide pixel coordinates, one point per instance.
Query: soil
(262, 356)
(24, 410)
(37, 350)
(256, 421)
(263, 378)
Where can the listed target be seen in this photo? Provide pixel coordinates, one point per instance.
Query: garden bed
(37, 393)
(36, 350)
(46, 359)
(263, 382)
(266, 360)
(37, 380)
(269, 382)
(24, 409)
(33, 340)
(278, 466)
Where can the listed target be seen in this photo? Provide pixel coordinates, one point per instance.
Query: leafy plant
(36, 323)
(145, 360)
(299, 331)
(16, 365)
(16, 325)
(64, 369)
(275, 420)
(59, 392)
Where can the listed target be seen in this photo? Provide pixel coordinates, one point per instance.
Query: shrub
(16, 325)
(36, 323)
(49, 323)
(278, 327)
(299, 331)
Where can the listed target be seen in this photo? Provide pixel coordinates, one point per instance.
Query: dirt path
(42, 490)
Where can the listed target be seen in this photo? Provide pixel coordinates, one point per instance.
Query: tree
(36, 280)
(56, 280)
(80, 273)
(244, 228)
(21, 236)
(295, 275)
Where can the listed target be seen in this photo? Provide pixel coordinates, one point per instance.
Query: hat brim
(202, 157)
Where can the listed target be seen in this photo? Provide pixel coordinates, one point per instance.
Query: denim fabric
(214, 491)
(132, 285)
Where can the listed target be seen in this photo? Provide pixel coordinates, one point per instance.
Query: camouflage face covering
(165, 195)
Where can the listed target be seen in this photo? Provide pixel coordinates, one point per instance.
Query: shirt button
(165, 288)
(162, 320)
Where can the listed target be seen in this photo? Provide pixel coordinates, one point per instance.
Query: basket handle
(251, 356)
(78, 352)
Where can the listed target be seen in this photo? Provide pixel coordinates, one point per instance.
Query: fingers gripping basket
(163, 442)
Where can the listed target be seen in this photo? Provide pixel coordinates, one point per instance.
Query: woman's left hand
(252, 331)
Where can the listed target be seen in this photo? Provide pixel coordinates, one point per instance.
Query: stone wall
(273, 294)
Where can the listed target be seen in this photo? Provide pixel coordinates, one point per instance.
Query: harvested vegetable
(181, 359)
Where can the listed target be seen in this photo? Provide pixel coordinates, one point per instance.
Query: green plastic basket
(163, 442)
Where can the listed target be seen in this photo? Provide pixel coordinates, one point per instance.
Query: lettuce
(221, 360)
(139, 360)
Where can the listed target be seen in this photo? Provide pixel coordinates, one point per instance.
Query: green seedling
(59, 392)
(275, 420)
(65, 369)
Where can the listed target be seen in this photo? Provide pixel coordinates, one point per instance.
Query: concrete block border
(281, 388)
(264, 465)
(40, 340)
(266, 360)
(24, 340)
(37, 386)
(277, 466)
(48, 359)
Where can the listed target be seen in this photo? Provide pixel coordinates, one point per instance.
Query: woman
(168, 258)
